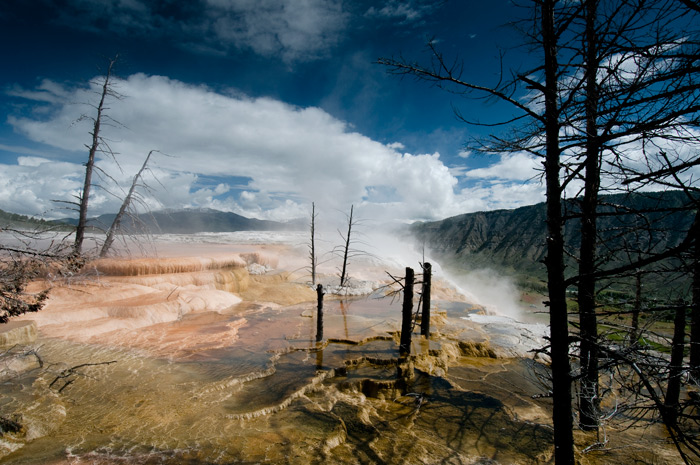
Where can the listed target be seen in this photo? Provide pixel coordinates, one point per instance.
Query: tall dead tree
(346, 250)
(407, 313)
(126, 204)
(93, 148)
(649, 95)
(425, 299)
(312, 244)
(319, 313)
(350, 246)
(695, 305)
(558, 315)
(588, 324)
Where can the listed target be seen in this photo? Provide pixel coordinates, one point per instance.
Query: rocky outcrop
(505, 238)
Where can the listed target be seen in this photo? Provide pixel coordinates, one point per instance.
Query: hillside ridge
(514, 241)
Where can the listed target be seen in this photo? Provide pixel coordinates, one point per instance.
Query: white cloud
(290, 156)
(32, 184)
(518, 166)
(48, 91)
(32, 161)
(505, 195)
(302, 154)
(18, 149)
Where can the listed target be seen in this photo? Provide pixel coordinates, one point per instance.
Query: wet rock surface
(17, 332)
(119, 374)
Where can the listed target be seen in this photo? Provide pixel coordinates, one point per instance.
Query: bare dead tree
(98, 143)
(125, 206)
(407, 313)
(352, 247)
(425, 298)
(346, 249)
(634, 84)
(312, 244)
(589, 398)
(558, 316)
(694, 355)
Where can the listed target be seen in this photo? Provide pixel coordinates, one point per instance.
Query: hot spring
(207, 354)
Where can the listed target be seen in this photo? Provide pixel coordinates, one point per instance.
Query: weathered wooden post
(407, 314)
(425, 315)
(319, 314)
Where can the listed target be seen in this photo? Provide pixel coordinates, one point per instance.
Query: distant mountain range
(191, 221)
(514, 241)
(186, 221)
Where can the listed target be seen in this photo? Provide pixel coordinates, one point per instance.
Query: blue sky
(259, 107)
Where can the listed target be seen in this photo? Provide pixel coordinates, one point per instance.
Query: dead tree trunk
(695, 306)
(673, 389)
(343, 273)
(425, 315)
(558, 318)
(319, 313)
(312, 245)
(93, 148)
(637, 308)
(589, 400)
(407, 314)
(122, 210)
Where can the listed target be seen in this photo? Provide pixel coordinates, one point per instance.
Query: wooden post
(425, 316)
(407, 314)
(319, 315)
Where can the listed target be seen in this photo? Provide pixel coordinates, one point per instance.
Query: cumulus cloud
(31, 185)
(290, 156)
(496, 195)
(519, 166)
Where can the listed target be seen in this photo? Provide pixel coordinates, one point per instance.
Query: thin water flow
(275, 395)
(196, 360)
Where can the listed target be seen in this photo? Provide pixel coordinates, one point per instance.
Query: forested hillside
(514, 241)
(15, 221)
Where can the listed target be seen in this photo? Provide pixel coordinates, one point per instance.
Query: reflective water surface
(276, 396)
(200, 360)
